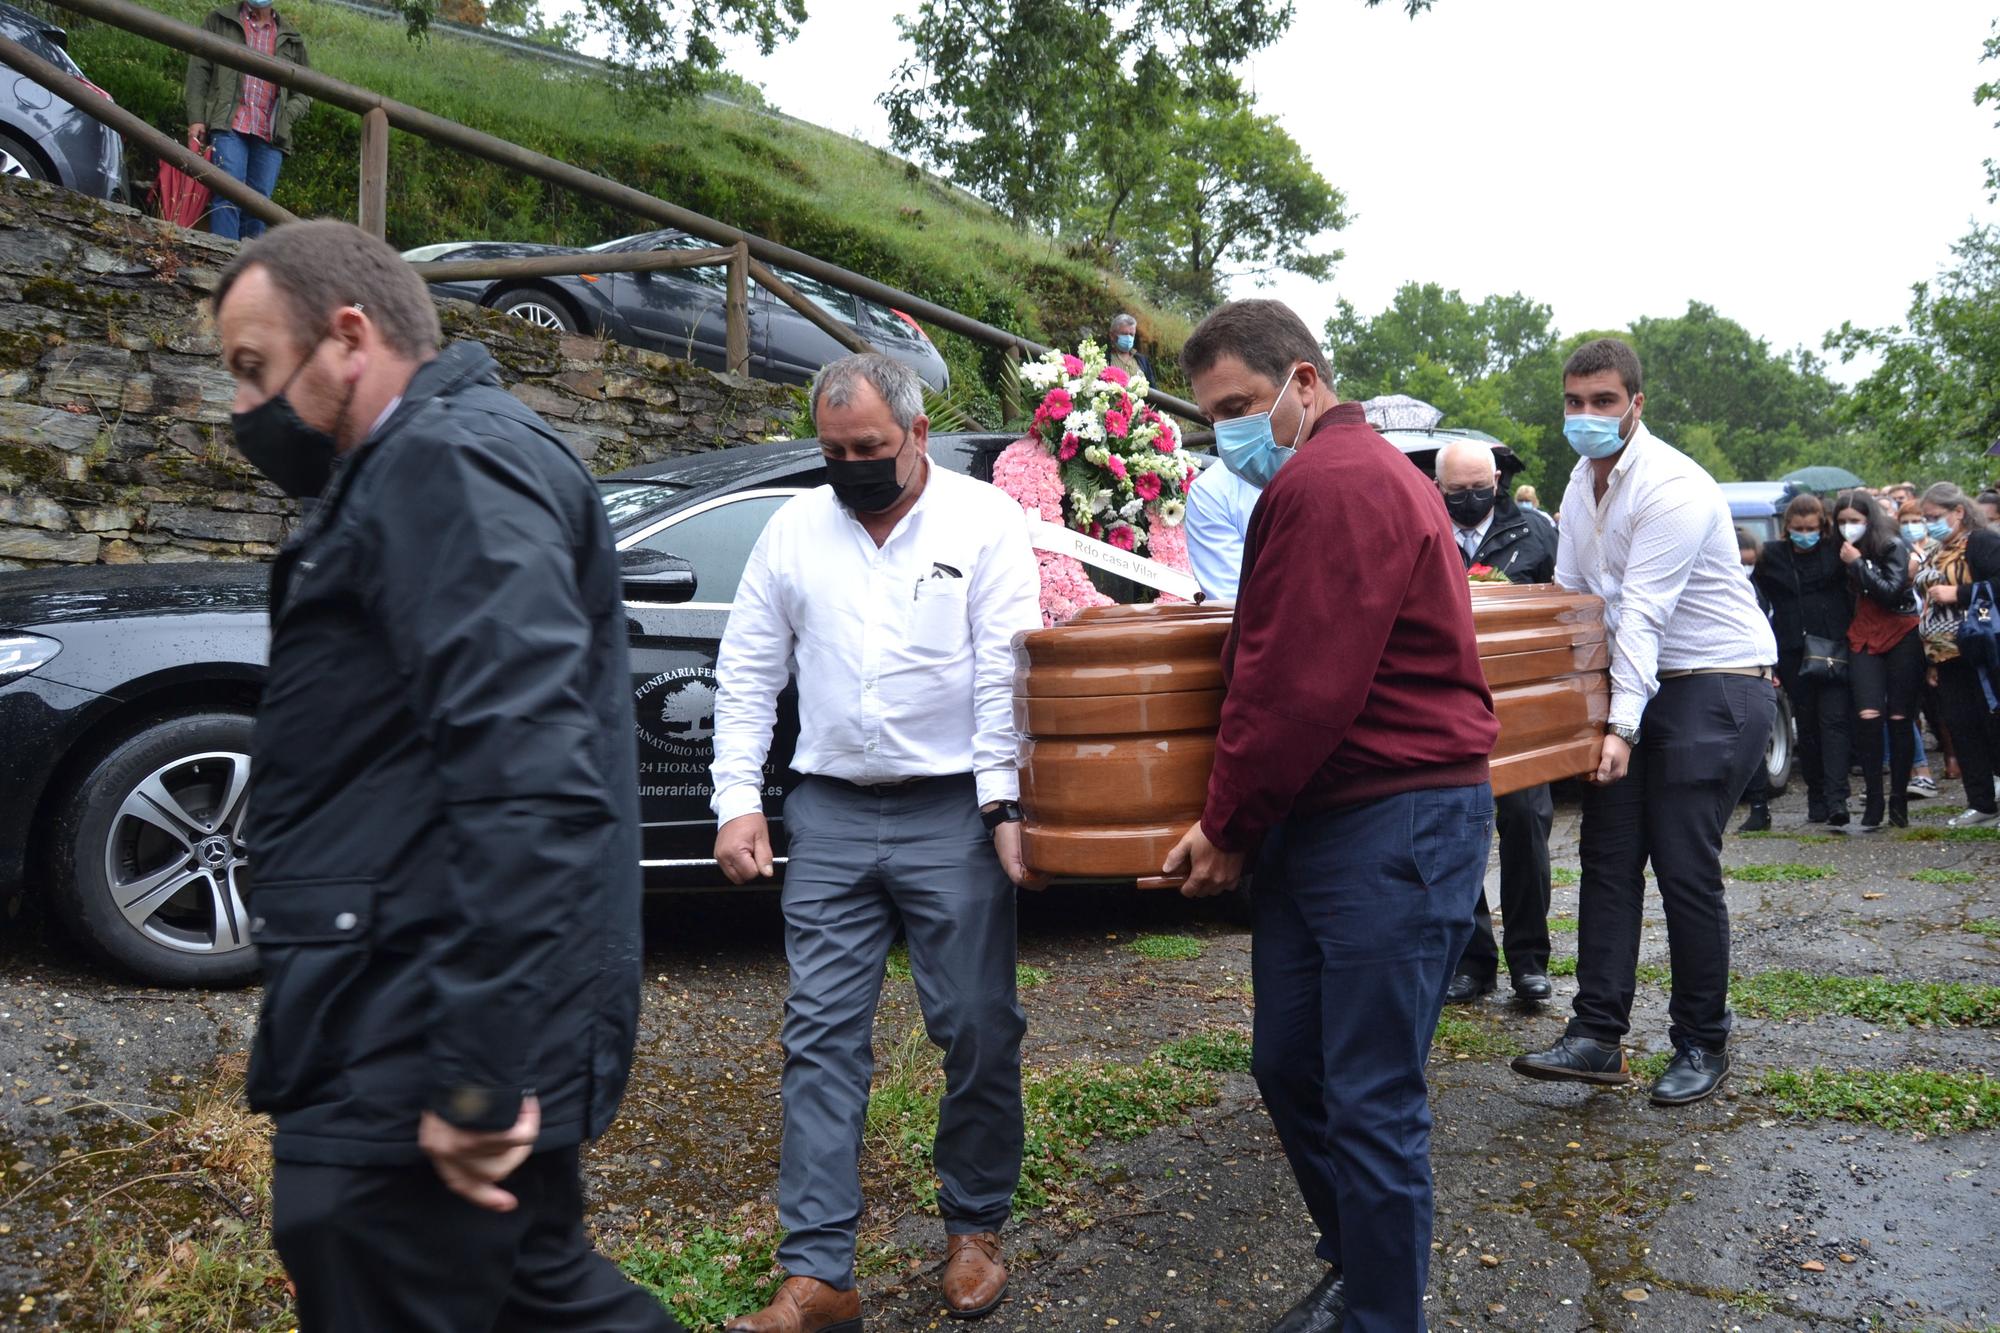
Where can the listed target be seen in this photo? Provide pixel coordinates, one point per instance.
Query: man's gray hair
(898, 385)
(1465, 448)
(1120, 321)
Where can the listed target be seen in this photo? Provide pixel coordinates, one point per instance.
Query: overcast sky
(1794, 163)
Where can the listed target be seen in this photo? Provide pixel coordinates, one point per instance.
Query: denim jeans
(252, 161)
(1360, 915)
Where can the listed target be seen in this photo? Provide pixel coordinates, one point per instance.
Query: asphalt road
(1558, 1207)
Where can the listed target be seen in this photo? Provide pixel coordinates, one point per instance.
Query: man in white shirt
(1218, 516)
(1691, 708)
(892, 595)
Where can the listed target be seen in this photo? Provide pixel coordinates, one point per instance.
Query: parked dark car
(126, 694)
(43, 137)
(679, 311)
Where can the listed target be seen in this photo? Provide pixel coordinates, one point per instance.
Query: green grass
(1934, 1101)
(1790, 994)
(1648, 1068)
(1563, 876)
(1982, 925)
(1458, 1035)
(1026, 977)
(1980, 833)
(1562, 925)
(1945, 877)
(220, 1280)
(1803, 839)
(708, 1274)
(1223, 1051)
(1563, 966)
(1166, 948)
(1783, 872)
(808, 188)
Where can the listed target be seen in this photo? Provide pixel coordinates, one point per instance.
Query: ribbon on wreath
(1060, 540)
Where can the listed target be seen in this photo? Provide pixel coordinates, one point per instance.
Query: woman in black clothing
(1885, 654)
(1964, 551)
(1804, 578)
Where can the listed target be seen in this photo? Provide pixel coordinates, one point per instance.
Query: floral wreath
(1102, 462)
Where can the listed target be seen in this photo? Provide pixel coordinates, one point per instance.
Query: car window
(886, 324)
(829, 298)
(710, 275)
(625, 501)
(717, 542)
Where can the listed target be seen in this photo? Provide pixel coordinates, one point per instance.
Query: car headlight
(23, 653)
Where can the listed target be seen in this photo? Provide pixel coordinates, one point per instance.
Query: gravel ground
(1558, 1207)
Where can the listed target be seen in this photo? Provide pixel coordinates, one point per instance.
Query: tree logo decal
(676, 712)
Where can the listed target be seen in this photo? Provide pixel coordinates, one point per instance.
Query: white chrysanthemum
(1093, 428)
(1130, 509)
(1040, 374)
(1075, 422)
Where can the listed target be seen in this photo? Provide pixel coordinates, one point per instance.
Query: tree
(1237, 191)
(1933, 405)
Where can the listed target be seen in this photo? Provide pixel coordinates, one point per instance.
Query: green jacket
(213, 90)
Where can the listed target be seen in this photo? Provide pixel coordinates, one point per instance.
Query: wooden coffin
(1118, 709)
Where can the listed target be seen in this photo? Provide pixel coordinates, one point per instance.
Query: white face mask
(1852, 531)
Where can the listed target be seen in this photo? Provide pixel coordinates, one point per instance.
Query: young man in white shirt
(1645, 528)
(892, 595)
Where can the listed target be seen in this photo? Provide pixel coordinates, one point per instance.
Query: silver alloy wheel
(13, 167)
(174, 859)
(538, 314)
(1778, 750)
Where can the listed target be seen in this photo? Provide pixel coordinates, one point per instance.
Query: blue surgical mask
(1247, 448)
(1528, 506)
(1595, 436)
(1913, 533)
(1939, 530)
(1805, 541)
(1123, 341)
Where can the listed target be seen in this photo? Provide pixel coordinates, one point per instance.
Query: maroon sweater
(1353, 672)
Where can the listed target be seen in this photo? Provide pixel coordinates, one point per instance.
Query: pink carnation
(1116, 466)
(1118, 423)
(1057, 405)
(1122, 537)
(1147, 485)
(1115, 375)
(1072, 367)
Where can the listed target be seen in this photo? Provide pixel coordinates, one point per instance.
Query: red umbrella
(177, 196)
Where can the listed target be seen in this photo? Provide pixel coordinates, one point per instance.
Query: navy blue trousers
(1361, 914)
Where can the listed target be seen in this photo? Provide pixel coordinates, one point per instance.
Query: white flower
(1040, 374)
(1101, 503)
(1076, 421)
(1172, 512)
(1093, 429)
(1130, 509)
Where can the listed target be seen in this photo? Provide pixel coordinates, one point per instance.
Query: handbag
(1979, 631)
(1825, 659)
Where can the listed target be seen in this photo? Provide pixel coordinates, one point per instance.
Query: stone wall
(114, 407)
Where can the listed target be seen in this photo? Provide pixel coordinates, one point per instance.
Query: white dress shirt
(903, 653)
(1218, 518)
(1660, 549)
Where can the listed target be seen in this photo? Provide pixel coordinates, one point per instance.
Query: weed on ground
(1783, 872)
(1166, 948)
(1927, 1100)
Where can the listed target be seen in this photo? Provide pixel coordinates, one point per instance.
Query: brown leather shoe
(974, 1277)
(804, 1305)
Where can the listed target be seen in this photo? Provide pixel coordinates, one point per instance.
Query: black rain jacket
(445, 826)
(1519, 545)
(1809, 593)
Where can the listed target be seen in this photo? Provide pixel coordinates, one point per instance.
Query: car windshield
(618, 243)
(625, 501)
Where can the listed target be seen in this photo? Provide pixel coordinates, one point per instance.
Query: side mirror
(653, 576)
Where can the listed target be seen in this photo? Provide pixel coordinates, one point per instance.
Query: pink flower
(1118, 423)
(1068, 449)
(1096, 532)
(1072, 367)
(1115, 375)
(1164, 441)
(1116, 466)
(1057, 405)
(1147, 485)
(1123, 537)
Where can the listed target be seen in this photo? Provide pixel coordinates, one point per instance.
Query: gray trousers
(860, 861)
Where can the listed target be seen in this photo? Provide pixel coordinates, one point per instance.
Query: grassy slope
(812, 189)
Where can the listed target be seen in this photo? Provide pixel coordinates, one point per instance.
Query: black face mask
(296, 457)
(1469, 509)
(867, 485)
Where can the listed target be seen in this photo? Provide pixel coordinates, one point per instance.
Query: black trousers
(391, 1248)
(1822, 709)
(1887, 684)
(1975, 730)
(1699, 741)
(1522, 819)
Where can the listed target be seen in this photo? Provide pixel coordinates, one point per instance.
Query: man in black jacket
(1493, 531)
(445, 826)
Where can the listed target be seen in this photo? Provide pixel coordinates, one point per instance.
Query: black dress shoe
(1836, 816)
(1323, 1310)
(1815, 811)
(1465, 988)
(1758, 820)
(1533, 986)
(1899, 811)
(1577, 1060)
(1693, 1075)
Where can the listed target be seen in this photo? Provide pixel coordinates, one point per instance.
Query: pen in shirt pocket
(939, 570)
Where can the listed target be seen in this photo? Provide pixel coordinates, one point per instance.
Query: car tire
(1780, 749)
(156, 824)
(18, 161)
(538, 308)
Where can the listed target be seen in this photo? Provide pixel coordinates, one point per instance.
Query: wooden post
(374, 208)
(736, 312)
(1010, 385)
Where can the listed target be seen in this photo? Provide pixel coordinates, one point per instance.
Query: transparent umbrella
(1822, 478)
(1399, 411)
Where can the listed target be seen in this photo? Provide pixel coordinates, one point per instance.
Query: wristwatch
(1630, 735)
(1007, 812)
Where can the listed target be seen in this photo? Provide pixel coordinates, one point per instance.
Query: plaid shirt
(257, 107)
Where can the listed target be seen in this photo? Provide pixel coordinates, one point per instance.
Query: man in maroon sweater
(1351, 761)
